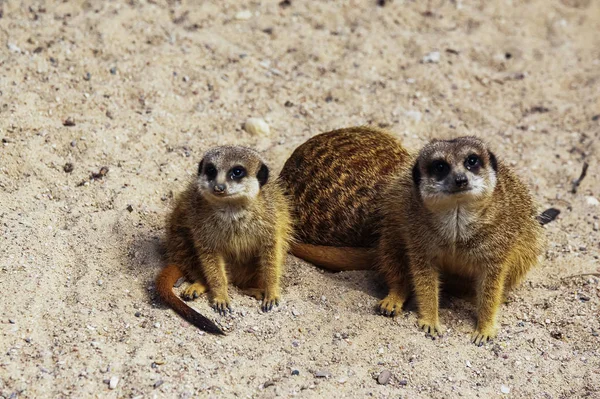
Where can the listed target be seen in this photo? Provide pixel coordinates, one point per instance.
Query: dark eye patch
(473, 163)
(237, 172)
(438, 169)
(210, 171)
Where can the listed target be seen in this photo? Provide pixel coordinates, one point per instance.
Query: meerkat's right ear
(416, 174)
(200, 165)
(263, 174)
(493, 161)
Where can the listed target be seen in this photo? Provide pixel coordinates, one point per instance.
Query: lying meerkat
(231, 224)
(366, 202)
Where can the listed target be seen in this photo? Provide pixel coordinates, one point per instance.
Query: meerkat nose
(461, 180)
(219, 188)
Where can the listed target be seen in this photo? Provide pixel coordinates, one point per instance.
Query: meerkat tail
(335, 258)
(164, 285)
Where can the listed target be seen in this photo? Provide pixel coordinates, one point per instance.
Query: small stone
(548, 321)
(257, 126)
(296, 313)
(591, 201)
(11, 321)
(504, 389)
(69, 122)
(158, 383)
(322, 374)
(100, 282)
(295, 372)
(113, 70)
(289, 104)
(74, 143)
(268, 383)
(432, 58)
(596, 226)
(138, 314)
(87, 76)
(113, 382)
(468, 363)
(243, 15)
(156, 325)
(68, 168)
(130, 208)
(384, 377)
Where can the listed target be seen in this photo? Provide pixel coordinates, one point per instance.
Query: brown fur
(239, 237)
(335, 178)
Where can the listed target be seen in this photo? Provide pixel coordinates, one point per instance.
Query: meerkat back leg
(215, 274)
(392, 265)
(489, 297)
(271, 268)
(194, 290)
(426, 283)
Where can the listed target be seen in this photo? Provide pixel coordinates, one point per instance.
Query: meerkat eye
(210, 171)
(439, 169)
(238, 172)
(472, 161)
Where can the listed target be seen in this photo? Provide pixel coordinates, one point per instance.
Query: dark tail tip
(204, 323)
(548, 215)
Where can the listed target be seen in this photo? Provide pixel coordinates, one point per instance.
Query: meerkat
(457, 211)
(231, 224)
(413, 226)
(334, 181)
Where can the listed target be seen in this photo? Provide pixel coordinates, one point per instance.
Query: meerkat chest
(455, 224)
(238, 234)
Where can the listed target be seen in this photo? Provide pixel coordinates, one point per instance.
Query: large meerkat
(418, 224)
(334, 181)
(231, 225)
(457, 211)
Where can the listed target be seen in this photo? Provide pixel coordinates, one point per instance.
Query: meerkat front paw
(432, 328)
(269, 301)
(482, 335)
(221, 305)
(390, 306)
(193, 291)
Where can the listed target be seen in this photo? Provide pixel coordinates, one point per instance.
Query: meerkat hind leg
(194, 290)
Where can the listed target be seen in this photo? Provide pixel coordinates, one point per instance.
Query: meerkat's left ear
(200, 165)
(263, 174)
(493, 161)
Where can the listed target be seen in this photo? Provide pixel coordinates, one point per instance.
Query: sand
(143, 88)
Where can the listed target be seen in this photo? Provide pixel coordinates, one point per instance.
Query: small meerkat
(231, 224)
(365, 202)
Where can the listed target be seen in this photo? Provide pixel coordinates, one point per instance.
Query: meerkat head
(451, 172)
(231, 174)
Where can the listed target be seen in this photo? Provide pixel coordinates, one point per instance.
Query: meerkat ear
(263, 174)
(416, 174)
(200, 165)
(493, 161)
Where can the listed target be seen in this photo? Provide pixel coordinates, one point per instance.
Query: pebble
(158, 383)
(504, 389)
(113, 382)
(69, 122)
(295, 372)
(257, 127)
(591, 201)
(403, 383)
(68, 168)
(243, 15)
(113, 70)
(295, 312)
(596, 226)
(179, 282)
(156, 325)
(138, 314)
(11, 321)
(322, 374)
(468, 363)
(432, 58)
(384, 377)
(100, 282)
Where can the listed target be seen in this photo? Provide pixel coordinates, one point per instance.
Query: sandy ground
(149, 85)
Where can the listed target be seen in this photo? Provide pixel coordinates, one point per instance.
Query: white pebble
(504, 389)
(468, 363)
(433, 57)
(114, 381)
(591, 201)
(257, 126)
(242, 15)
(156, 325)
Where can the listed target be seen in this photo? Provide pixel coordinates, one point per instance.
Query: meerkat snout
(461, 180)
